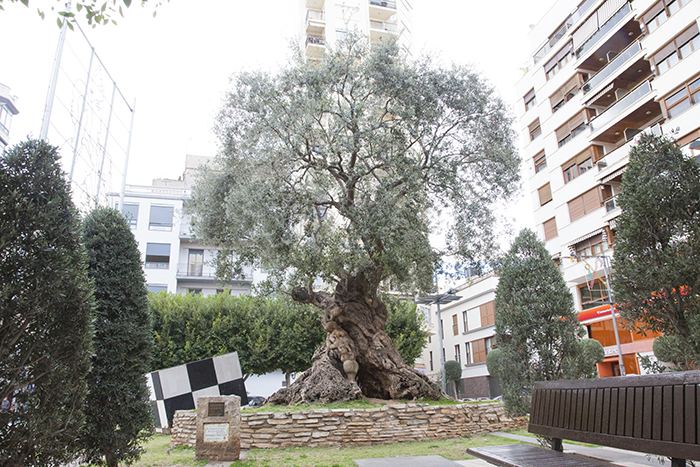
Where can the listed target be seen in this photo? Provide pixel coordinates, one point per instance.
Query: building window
(465, 319)
(567, 92)
(530, 100)
(488, 315)
(660, 12)
(458, 355)
(545, 193)
(593, 295)
(584, 204)
(540, 161)
(161, 218)
(581, 164)
(155, 288)
(194, 291)
(455, 327)
(488, 343)
(571, 129)
(683, 98)
(558, 61)
(467, 355)
(131, 213)
(534, 129)
(158, 255)
(592, 247)
(550, 229)
(195, 263)
(681, 47)
(431, 361)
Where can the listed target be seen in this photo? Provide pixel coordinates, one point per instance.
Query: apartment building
(467, 334)
(7, 110)
(174, 261)
(326, 21)
(602, 72)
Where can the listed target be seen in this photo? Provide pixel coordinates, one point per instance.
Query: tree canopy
(118, 411)
(96, 12)
(537, 328)
(45, 309)
(657, 245)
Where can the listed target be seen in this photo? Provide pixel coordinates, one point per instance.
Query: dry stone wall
(358, 427)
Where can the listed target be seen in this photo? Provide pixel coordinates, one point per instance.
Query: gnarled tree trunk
(358, 357)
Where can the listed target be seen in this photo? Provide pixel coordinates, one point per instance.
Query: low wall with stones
(358, 427)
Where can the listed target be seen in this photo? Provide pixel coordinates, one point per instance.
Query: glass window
(540, 162)
(131, 212)
(585, 166)
(161, 218)
(593, 296)
(195, 262)
(194, 291)
(158, 255)
(157, 288)
(458, 354)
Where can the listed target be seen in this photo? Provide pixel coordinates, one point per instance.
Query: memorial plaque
(215, 432)
(215, 409)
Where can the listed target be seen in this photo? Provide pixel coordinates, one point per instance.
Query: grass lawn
(157, 455)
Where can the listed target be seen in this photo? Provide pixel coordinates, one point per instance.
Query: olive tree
(332, 175)
(657, 247)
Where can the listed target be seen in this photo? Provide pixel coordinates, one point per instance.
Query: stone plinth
(218, 428)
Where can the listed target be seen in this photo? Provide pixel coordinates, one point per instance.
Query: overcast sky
(177, 65)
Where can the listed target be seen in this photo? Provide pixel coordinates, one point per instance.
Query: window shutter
(577, 120)
(608, 9)
(591, 200)
(664, 52)
(686, 35)
(528, 97)
(533, 126)
(653, 11)
(550, 229)
(576, 208)
(479, 351)
(562, 132)
(487, 313)
(587, 29)
(571, 84)
(545, 194)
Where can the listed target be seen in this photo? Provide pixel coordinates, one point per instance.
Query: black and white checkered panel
(179, 387)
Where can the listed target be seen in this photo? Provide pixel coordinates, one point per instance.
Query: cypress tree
(119, 415)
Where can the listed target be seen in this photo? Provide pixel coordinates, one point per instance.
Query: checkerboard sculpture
(178, 388)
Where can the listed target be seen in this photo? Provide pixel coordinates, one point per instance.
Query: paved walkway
(620, 457)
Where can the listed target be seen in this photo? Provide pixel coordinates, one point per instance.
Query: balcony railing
(315, 15)
(383, 26)
(187, 270)
(603, 30)
(315, 40)
(612, 66)
(384, 3)
(611, 204)
(620, 106)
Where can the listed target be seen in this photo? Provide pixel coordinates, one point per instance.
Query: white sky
(177, 65)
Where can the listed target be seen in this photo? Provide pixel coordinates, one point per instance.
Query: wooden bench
(651, 414)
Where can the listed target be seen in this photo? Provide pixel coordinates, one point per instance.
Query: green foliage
(45, 309)
(669, 348)
(583, 364)
(118, 411)
(657, 245)
(537, 329)
(268, 334)
(453, 370)
(333, 169)
(406, 327)
(97, 12)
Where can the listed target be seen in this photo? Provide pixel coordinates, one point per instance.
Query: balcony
(612, 66)
(315, 4)
(622, 105)
(609, 26)
(315, 46)
(381, 10)
(381, 30)
(611, 204)
(315, 22)
(202, 273)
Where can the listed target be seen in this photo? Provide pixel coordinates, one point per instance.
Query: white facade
(323, 22)
(173, 260)
(602, 71)
(7, 110)
(468, 329)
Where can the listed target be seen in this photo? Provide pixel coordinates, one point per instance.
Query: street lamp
(606, 270)
(440, 299)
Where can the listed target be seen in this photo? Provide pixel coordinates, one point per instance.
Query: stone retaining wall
(358, 427)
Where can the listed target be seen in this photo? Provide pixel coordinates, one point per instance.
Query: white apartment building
(7, 110)
(325, 21)
(467, 332)
(174, 260)
(602, 71)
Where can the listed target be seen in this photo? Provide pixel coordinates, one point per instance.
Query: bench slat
(526, 455)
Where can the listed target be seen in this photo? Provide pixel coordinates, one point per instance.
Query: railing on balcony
(315, 15)
(199, 271)
(315, 40)
(384, 3)
(612, 66)
(581, 11)
(611, 204)
(603, 30)
(383, 26)
(620, 106)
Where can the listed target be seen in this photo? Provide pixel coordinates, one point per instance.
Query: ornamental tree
(657, 245)
(45, 310)
(118, 412)
(537, 328)
(332, 175)
(453, 372)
